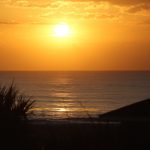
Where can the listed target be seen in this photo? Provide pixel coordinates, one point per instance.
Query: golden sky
(105, 35)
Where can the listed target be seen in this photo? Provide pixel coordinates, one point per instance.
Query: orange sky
(107, 35)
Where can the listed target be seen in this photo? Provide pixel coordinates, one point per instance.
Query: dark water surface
(76, 94)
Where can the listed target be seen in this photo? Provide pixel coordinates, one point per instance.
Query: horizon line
(74, 70)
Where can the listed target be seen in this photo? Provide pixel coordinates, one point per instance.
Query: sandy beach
(92, 136)
(66, 135)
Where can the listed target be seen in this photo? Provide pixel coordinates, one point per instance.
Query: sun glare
(61, 30)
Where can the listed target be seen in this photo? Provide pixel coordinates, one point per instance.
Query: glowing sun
(61, 30)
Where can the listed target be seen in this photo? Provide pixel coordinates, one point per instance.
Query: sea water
(77, 94)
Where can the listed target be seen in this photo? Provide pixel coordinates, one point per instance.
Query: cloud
(127, 2)
(88, 9)
(50, 3)
(28, 3)
(139, 7)
(8, 22)
(42, 11)
(119, 2)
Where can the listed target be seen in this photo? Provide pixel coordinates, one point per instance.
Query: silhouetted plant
(14, 105)
(15, 108)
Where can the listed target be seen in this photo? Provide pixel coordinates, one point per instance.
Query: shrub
(14, 105)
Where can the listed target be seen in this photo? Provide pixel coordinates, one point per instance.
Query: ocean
(77, 94)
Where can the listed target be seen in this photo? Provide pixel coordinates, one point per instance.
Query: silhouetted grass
(13, 104)
(14, 111)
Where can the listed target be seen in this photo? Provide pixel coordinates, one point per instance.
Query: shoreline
(90, 136)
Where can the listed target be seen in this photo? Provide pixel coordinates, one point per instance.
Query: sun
(61, 30)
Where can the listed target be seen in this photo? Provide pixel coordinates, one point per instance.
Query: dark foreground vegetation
(127, 136)
(15, 108)
(78, 136)
(18, 133)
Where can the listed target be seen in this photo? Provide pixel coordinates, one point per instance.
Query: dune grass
(13, 104)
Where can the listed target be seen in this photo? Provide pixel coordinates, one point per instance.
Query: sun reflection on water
(62, 109)
(63, 102)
